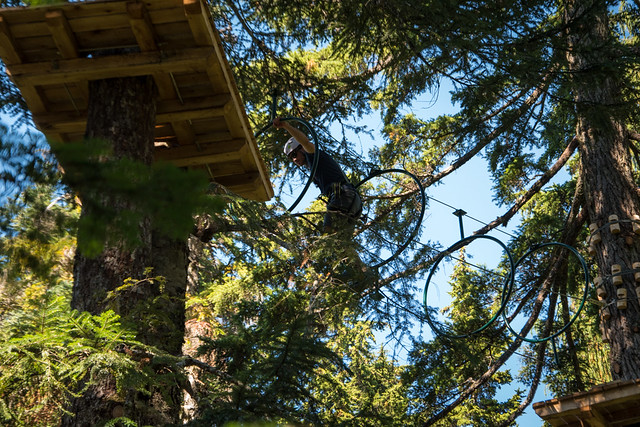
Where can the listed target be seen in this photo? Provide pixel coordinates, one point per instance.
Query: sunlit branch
(533, 190)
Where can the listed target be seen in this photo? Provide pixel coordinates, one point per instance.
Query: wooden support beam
(192, 155)
(166, 90)
(34, 99)
(142, 27)
(167, 112)
(183, 132)
(8, 51)
(204, 33)
(70, 122)
(199, 110)
(197, 22)
(216, 75)
(145, 35)
(103, 67)
(62, 34)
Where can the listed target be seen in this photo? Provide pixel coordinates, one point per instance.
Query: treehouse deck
(609, 404)
(52, 52)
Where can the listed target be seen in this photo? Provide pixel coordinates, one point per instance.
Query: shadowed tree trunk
(607, 175)
(122, 111)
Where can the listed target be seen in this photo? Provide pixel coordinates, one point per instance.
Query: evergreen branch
(537, 376)
(190, 361)
(477, 383)
(575, 221)
(494, 134)
(533, 190)
(147, 357)
(258, 41)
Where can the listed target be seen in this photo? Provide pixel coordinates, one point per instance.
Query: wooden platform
(52, 52)
(612, 404)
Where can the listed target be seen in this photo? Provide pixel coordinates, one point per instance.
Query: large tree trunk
(607, 174)
(122, 111)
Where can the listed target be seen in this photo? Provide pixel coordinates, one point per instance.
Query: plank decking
(52, 52)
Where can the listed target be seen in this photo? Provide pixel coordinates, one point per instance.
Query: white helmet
(290, 145)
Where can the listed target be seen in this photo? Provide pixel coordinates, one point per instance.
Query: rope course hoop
(508, 292)
(314, 166)
(565, 294)
(506, 287)
(369, 235)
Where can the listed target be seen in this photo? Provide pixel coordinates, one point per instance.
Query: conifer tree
(541, 87)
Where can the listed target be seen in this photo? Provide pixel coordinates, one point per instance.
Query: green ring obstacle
(506, 288)
(582, 300)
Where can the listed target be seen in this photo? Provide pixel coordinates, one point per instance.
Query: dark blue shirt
(328, 172)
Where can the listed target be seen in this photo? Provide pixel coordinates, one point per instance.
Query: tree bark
(122, 111)
(607, 174)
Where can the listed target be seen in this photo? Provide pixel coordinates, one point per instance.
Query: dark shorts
(343, 208)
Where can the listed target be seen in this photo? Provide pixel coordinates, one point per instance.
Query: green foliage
(49, 354)
(369, 392)
(44, 2)
(290, 341)
(37, 242)
(438, 368)
(25, 161)
(121, 193)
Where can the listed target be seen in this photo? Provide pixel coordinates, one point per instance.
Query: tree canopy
(281, 325)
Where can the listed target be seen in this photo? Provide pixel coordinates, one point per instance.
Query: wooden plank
(62, 34)
(167, 112)
(103, 23)
(191, 114)
(33, 48)
(191, 155)
(197, 22)
(135, 64)
(92, 42)
(34, 99)
(242, 183)
(10, 55)
(216, 75)
(91, 16)
(183, 132)
(161, 17)
(175, 33)
(207, 128)
(107, 7)
(30, 29)
(65, 98)
(193, 85)
(176, 106)
(226, 168)
(142, 27)
(209, 137)
(214, 37)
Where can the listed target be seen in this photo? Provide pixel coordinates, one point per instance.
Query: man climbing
(344, 205)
